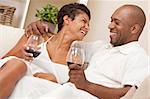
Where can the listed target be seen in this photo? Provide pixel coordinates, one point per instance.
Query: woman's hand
(47, 76)
(25, 55)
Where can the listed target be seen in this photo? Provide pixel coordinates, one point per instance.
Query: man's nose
(111, 25)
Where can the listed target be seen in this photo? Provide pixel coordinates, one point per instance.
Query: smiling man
(126, 25)
(117, 66)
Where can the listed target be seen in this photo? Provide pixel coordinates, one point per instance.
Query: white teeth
(83, 32)
(112, 33)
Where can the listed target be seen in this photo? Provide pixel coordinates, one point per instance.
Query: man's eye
(117, 23)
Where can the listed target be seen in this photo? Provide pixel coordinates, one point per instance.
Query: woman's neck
(63, 40)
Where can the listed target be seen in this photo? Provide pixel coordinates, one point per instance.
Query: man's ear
(66, 19)
(135, 29)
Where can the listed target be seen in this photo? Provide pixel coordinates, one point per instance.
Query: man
(113, 70)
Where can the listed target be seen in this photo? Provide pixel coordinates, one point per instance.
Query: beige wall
(37, 4)
(101, 11)
(148, 20)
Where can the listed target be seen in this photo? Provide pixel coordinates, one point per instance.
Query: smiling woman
(73, 24)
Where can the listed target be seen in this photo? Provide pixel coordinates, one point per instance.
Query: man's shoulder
(100, 43)
(138, 50)
(133, 48)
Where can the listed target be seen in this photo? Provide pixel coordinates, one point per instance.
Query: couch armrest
(9, 36)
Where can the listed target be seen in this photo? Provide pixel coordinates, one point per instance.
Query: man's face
(120, 27)
(79, 27)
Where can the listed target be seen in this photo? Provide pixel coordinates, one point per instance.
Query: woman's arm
(38, 28)
(17, 49)
(10, 73)
(46, 76)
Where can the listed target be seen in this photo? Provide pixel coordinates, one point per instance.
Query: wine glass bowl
(34, 52)
(34, 45)
(76, 55)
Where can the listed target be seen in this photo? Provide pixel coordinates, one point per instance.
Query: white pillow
(9, 36)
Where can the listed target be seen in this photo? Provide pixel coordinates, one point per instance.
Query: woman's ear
(135, 29)
(66, 19)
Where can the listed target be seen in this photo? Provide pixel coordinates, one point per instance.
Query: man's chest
(108, 62)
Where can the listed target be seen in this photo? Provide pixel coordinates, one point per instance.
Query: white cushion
(8, 38)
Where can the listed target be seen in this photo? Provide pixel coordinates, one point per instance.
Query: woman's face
(79, 27)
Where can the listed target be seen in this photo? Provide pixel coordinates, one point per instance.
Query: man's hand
(77, 76)
(40, 28)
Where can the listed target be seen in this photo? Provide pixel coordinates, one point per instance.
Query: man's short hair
(138, 14)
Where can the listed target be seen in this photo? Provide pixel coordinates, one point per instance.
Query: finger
(74, 72)
(46, 25)
(35, 29)
(74, 79)
(27, 56)
(74, 66)
(28, 59)
(35, 75)
(24, 50)
(42, 27)
(30, 29)
(38, 74)
(27, 31)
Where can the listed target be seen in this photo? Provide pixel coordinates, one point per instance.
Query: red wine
(35, 53)
(69, 63)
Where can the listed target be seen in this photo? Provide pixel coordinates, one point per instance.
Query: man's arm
(41, 28)
(103, 92)
(77, 77)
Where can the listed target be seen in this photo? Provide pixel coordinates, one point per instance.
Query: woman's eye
(84, 21)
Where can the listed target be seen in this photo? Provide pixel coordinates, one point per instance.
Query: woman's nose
(87, 27)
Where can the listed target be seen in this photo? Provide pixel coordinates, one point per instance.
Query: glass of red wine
(34, 45)
(76, 54)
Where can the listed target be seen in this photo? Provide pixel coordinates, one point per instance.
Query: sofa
(9, 36)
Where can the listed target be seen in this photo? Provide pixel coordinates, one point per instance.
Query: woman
(73, 24)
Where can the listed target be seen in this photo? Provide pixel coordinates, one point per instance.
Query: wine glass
(34, 45)
(76, 54)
